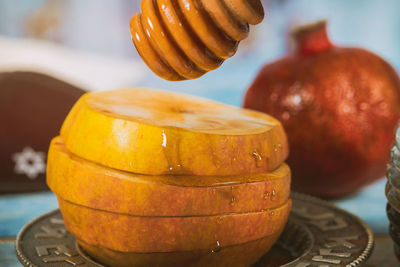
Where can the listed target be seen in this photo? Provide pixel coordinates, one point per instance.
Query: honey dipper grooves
(184, 39)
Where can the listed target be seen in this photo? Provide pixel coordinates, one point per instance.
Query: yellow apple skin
(231, 256)
(92, 185)
(173, 134)
(127, 233)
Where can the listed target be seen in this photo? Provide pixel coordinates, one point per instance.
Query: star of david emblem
(29, 162)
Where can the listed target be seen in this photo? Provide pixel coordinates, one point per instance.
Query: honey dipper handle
(248, 11)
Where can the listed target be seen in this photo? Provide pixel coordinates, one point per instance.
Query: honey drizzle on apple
(258, 158)
(217, 248)
(171, 149)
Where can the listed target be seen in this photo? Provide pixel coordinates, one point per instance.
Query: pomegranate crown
(311, 38)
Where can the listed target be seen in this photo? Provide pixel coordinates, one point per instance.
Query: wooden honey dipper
(184, 39)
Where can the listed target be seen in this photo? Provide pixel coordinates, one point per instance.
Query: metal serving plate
(317, 234)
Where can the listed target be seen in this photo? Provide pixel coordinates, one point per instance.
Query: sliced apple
(157, 132)
(127, 233)
(236, 255)
(92, 185)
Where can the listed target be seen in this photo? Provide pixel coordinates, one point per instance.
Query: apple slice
(127, 233)
(92, 185)
(157, 132)
(236, 255)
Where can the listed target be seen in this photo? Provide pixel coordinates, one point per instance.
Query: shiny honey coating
(184, 39)
(156, 132)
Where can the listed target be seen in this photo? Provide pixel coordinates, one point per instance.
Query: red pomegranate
(339, 107)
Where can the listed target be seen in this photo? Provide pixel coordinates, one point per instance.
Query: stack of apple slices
(153, 178)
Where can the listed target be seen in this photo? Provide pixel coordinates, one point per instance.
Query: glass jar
(393, 193)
